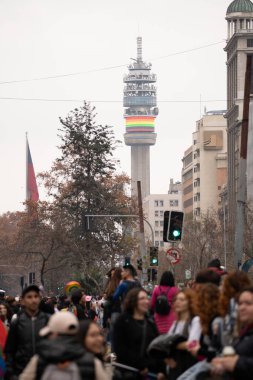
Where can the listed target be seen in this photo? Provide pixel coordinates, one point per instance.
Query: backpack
(162, 306)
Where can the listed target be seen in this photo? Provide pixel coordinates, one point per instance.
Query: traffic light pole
(142, 237)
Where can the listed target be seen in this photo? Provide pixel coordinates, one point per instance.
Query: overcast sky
(40, 38)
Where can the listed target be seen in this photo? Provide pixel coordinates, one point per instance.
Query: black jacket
(22, 341)
(244, 348)
(128, 342)
(65, 348)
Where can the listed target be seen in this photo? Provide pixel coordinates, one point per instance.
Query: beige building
(205, 165)
(239, 44)
(154, 206)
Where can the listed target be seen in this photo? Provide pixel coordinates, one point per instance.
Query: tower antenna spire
(141, 110)
(139, 49)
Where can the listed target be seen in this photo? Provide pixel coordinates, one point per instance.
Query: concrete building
(205, 165)
(154, 206)
(239, 43)
(140, 113)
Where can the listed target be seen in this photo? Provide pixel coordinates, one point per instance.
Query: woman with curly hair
(188, 325)
(207, 308)
(240, 365)
(232, 286)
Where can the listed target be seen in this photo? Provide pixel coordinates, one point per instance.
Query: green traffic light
(176, 233)
(154, 261)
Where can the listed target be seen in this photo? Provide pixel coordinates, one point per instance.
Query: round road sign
(174, 255)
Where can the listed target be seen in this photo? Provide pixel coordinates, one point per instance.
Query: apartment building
(154, 206)
(204, 170)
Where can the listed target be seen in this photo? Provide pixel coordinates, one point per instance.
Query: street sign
(174, 255)
(188, 274)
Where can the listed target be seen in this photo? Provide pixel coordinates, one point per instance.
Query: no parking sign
(174, 255)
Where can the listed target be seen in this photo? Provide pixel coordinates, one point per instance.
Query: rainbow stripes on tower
(140, 124)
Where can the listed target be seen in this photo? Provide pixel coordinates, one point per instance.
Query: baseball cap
(63, 323)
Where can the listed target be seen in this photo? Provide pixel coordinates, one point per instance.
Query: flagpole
(26, 184)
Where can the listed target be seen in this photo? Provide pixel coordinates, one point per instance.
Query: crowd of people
(201, 332)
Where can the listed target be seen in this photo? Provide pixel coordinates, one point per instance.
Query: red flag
(32, 193)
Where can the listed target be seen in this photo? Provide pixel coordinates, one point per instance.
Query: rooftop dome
(244, 6)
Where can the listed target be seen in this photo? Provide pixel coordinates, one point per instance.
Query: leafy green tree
(83, 181)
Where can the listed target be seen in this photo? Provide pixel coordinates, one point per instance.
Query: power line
(107, 101)
(105, 68)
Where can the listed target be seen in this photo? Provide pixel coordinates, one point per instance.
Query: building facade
(204, 172)
(140, 114)
(154, 207)
(239, 43)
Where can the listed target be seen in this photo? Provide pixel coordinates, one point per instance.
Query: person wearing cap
(23, 335)
(61, 355)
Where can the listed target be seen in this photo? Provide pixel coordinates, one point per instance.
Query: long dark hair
(9, 311)
(114, 282)
(131, 300)
(167, 279)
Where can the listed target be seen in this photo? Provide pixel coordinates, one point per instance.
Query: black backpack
(162, 306)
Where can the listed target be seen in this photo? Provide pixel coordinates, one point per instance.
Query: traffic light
(127, 261)
(154, 274)
(139, 264)
(175, 229)
(31, 278)
(153, 256)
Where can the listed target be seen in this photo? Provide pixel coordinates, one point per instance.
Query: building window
(161, 203)
(197, 211)
(187, 176)
(156, 203)
(197, 197)
(161, 223)
(249, 43)
(161, 233)
(173, 203)
(197, 182)
(156, 213)
(219, 187)
(156, 233)
(161, 214)
(187, 160)
(188, 203)
(188, 189)
(157, 223)
(157, 243)
(161, 243)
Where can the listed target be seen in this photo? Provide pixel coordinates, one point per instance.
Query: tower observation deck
(140, 114)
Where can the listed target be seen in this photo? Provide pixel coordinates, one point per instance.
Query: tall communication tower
(140, 113)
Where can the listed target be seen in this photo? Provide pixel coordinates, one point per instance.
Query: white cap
(228, 351)
(64, 323)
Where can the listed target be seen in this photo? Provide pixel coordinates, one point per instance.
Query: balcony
(146, 101)
(133, 112)
(140, 78)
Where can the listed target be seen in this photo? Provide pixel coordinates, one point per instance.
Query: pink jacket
(164, 322)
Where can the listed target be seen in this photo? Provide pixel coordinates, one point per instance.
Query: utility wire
(106, 101)
(105, 68)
